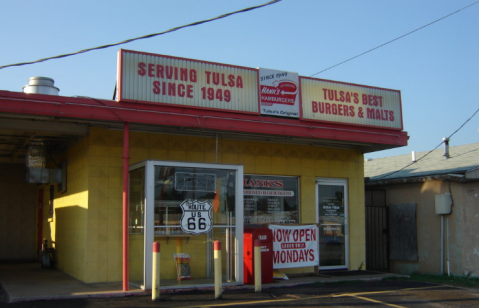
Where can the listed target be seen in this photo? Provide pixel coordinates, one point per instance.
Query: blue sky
(436, 68)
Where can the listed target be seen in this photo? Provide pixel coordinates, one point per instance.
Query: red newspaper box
(266, 237)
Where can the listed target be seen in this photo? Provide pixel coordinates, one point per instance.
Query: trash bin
(266, 237)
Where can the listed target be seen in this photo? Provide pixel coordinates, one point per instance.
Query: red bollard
(155, 288)
(218, 272)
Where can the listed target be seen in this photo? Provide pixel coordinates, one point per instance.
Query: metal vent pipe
(446, 147)
(41, 85)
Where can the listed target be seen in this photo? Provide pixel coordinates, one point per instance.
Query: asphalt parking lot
(387, 293)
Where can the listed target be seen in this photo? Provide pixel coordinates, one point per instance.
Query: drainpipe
(447, 247)
(442, 244)
(126, 159)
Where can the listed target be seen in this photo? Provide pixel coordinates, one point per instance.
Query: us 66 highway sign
(196, 218)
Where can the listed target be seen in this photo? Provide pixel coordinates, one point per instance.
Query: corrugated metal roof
(463, 158)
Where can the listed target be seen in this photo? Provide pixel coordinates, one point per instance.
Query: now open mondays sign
(295, 246)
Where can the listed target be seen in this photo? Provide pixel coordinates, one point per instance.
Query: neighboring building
(424, 235)
(190, 152)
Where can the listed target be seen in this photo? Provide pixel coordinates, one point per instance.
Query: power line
(143, 37)
(400, 37)
(463, 124)
(389, 174)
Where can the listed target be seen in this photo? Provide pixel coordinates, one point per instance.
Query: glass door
(333, 219)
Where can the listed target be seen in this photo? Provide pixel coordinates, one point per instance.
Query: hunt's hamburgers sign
(279, 93)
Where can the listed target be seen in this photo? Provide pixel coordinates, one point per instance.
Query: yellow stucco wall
(105, 205)
(88, 226)
(67, 230)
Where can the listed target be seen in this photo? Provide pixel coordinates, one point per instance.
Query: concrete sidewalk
(28, 282)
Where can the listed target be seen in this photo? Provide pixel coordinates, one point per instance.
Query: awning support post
(126, 159)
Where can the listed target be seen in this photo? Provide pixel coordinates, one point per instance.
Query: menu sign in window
(269, 199)
(195, 181)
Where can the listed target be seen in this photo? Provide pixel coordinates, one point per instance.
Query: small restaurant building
(189, 152)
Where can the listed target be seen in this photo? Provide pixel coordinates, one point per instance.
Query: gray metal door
(377, 231)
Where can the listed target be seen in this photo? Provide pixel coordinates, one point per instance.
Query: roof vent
(41, 85)
(446, 147)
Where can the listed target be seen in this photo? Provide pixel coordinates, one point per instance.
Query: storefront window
(185, 207)
(136, 225)
(271, 199)
(177, 187)
(137, 201)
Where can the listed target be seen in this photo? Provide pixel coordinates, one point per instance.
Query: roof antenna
(446, 147)
(114, 93)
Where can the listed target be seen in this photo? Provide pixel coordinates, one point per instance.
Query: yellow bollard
(218, 272)
(155, 288)
(257, 266)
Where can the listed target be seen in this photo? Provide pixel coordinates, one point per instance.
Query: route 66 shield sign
(196, 217)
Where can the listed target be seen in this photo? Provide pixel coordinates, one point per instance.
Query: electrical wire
(464, 124)
(400, 37)
(243, 11)
(394, 172)
(145, 36)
